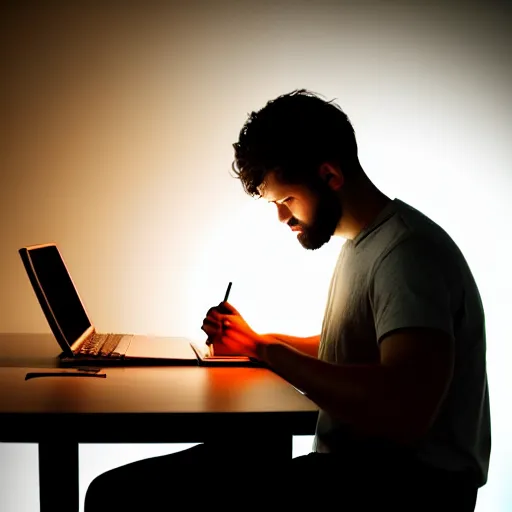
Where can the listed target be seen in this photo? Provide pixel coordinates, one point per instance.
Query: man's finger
(214, 311)
(232, 322)
(227, 309)
(210, 329)
(214, 322)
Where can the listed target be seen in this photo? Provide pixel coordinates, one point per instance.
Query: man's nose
(283, 213)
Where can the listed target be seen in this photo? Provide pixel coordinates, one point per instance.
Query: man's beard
(327, 216)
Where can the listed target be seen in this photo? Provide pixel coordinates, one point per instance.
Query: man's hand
(229, 333)
(211, 323)
(238, 338)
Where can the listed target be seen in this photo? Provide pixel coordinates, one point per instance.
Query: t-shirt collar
(388, 211)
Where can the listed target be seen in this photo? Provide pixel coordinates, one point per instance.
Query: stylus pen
(226, 297)
(33, 375)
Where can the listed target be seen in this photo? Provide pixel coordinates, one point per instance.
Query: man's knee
(99, 494)
(109, 492)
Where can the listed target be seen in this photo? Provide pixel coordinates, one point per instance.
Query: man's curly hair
(293, 135)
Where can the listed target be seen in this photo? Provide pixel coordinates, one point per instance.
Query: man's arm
(211, 326)
(308, 345)
(397, 398)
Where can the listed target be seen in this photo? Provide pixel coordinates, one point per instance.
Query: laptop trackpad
(149, 347)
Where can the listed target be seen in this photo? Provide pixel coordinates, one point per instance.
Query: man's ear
(332, 175)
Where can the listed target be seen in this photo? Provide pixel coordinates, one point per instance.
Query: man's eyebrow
(263, 195)
(281, 200)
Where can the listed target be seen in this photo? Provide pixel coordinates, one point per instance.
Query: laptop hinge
(85, 336)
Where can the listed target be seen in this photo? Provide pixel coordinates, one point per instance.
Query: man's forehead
(271, 188)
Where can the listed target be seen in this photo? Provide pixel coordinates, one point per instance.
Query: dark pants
(239, 478)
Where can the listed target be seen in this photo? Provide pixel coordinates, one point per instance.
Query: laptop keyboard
(101, 345)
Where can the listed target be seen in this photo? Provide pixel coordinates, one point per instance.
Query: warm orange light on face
(283, 212)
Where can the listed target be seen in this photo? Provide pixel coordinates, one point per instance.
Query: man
(399, 369)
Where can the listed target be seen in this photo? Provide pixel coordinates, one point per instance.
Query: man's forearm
(308, 345)
(370, 398)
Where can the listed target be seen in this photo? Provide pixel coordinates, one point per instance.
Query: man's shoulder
(406, 234)
(406, 225)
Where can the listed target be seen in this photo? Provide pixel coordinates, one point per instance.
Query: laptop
(76, 334)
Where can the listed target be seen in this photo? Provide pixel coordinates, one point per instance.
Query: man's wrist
(261, 348)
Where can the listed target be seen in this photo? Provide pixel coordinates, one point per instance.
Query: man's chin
(310, 245)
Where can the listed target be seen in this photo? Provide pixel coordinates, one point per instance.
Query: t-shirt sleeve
(408, 289)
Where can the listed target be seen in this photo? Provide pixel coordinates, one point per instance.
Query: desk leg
(58, 477)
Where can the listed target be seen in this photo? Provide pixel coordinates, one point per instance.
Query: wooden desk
(152, 405)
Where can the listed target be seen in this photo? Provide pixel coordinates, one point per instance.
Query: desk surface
(136, 404)
(169, 400)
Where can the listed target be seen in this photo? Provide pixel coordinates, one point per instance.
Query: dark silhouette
(398, 370)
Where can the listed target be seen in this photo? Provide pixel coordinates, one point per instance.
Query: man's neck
(361, 205)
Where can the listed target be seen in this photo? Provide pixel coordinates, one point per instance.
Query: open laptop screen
(60, 292)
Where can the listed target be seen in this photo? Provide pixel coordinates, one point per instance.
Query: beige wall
(116, 136)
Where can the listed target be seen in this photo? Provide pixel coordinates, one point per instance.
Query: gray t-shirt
(405, 271)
